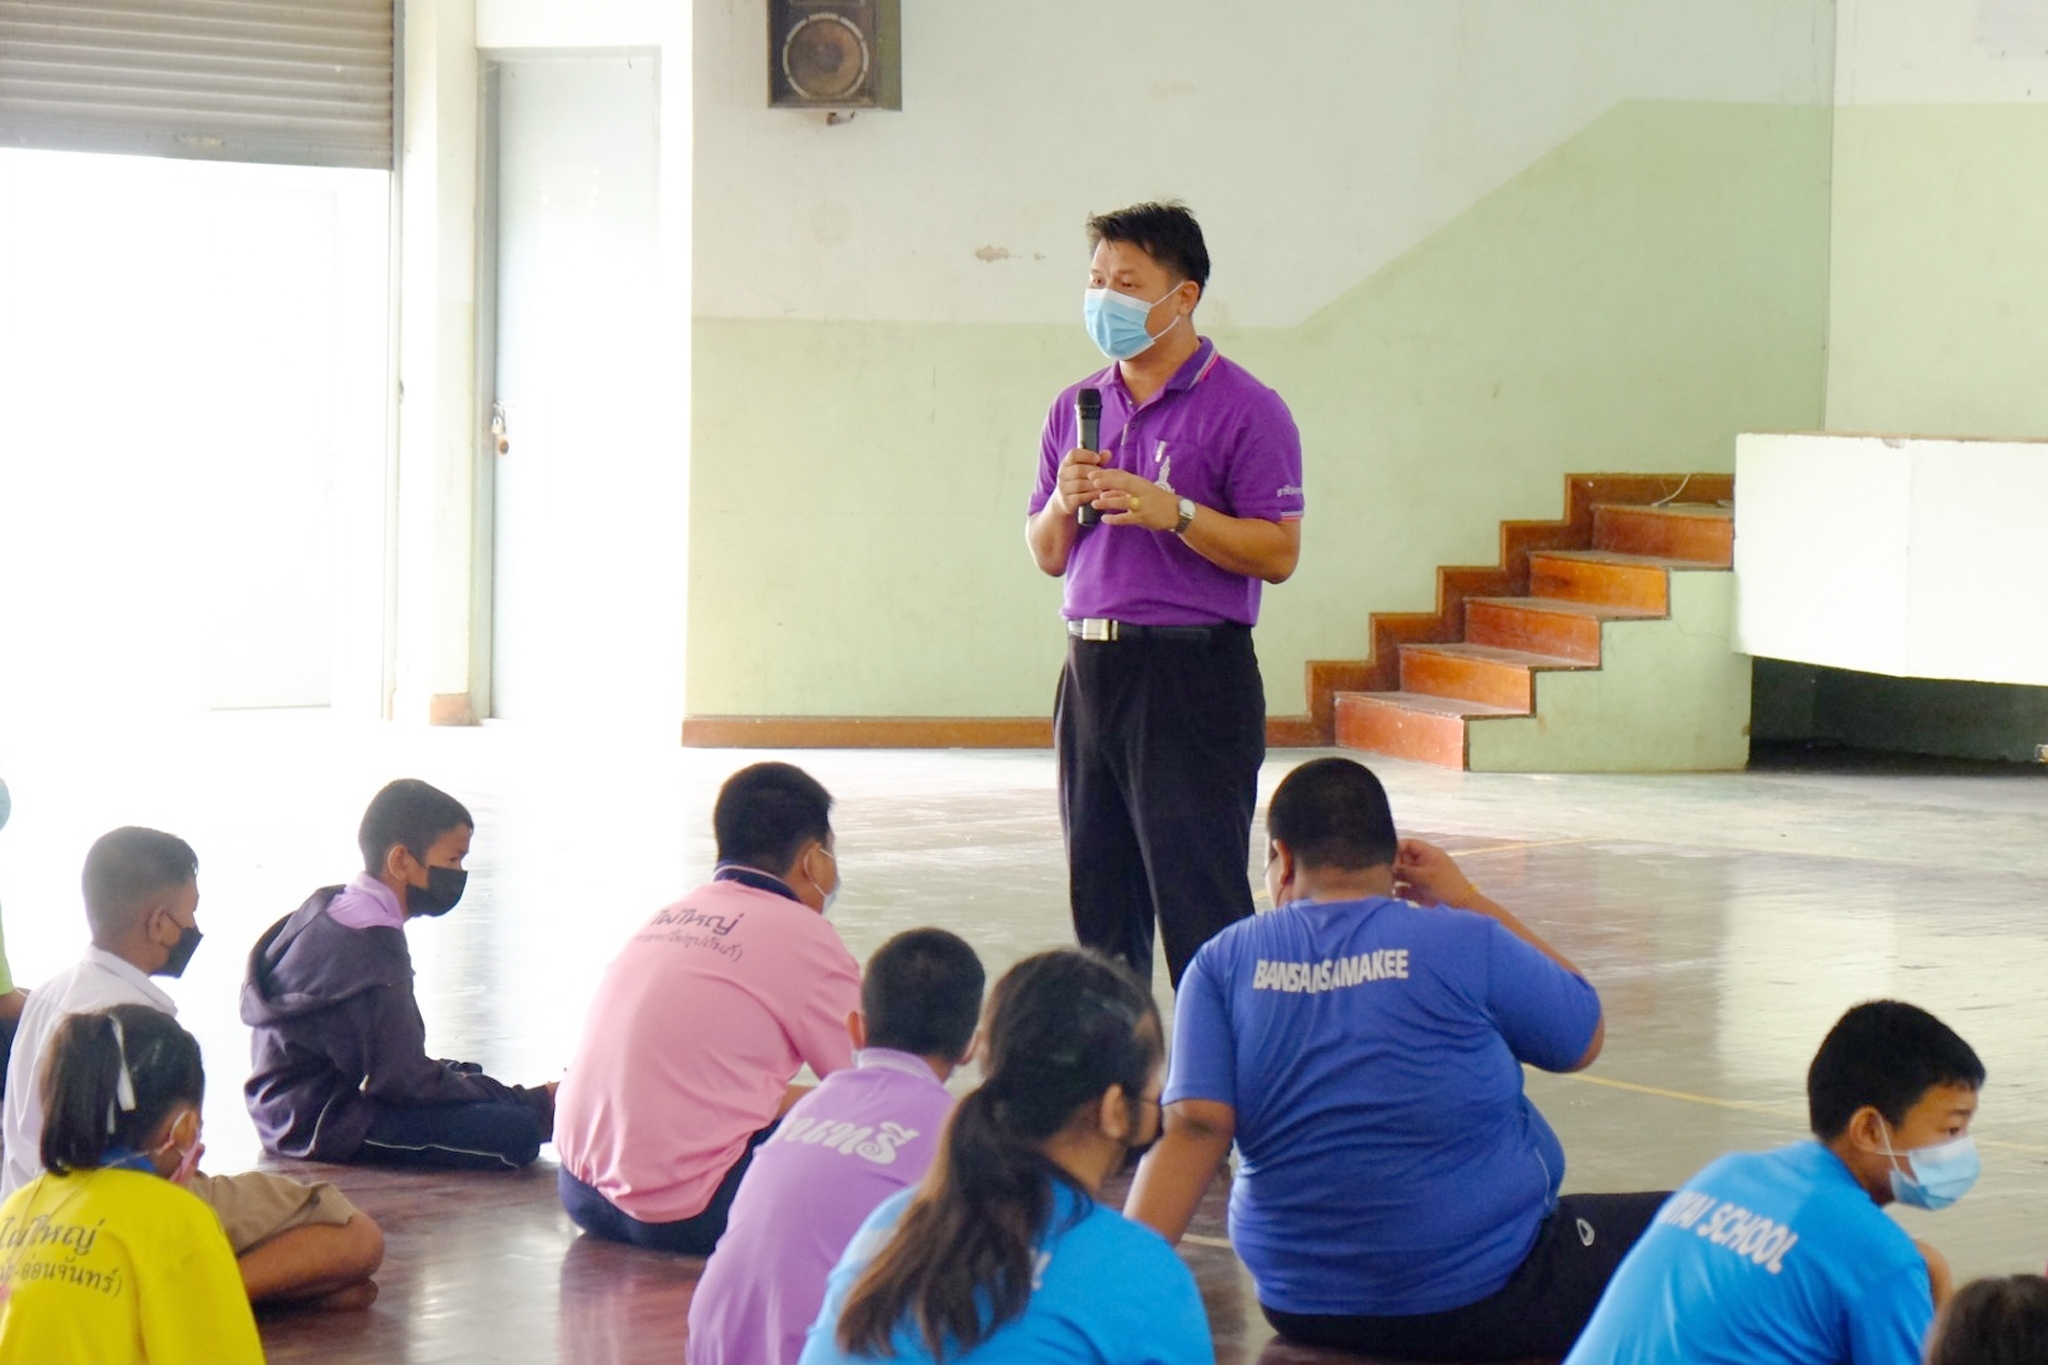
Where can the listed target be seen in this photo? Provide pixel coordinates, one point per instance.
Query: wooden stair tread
(1565, 606)
(1496, 629)
(1424, 701)
(1516, 658)
(1698, 510)
(1617, 557)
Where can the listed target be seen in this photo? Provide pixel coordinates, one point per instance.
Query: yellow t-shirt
(119, 1267)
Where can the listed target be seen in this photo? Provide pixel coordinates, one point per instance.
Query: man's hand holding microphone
(1095, 492)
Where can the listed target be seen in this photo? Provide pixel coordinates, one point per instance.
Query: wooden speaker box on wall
(835, 54)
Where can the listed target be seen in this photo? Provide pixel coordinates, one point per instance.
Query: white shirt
(96, 981)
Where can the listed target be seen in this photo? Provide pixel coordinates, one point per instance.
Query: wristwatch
(1187, 516)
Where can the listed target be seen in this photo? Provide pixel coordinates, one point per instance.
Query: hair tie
(124, 1084)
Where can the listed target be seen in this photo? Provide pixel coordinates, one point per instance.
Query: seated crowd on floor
(1353, 1058)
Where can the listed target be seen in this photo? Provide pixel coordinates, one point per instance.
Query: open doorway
(193, 436)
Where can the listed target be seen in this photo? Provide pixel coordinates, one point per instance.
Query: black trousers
(1160, 742)
(1539, 1312)
(696, 1235)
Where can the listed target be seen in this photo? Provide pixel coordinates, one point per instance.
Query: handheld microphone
(1088, 418)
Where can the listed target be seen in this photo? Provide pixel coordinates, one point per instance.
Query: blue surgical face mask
(1936, 1176)
(1116, 322)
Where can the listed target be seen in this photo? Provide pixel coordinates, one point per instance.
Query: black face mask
(444, 888)
(181, 951)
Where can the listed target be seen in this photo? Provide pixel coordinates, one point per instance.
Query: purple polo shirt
(862, 1135)
(1222, 438)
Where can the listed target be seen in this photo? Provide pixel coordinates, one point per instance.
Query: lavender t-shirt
(861, 1136)
(1213, 434)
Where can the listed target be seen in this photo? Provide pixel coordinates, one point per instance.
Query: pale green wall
(1669, 696)
(1938, 326)
(1630, 302)
(1940, 292)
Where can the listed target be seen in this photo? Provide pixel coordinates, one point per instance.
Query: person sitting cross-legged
(1787, 1257)
(1003, 1253)
(1397, 1193)
(107, 1260)
(294, 1241)
(867, 1132)
(702, 1021)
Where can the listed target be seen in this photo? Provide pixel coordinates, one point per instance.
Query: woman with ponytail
(103, 1258)
(1002, 1253)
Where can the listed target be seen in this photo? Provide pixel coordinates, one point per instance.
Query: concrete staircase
(1601, 643)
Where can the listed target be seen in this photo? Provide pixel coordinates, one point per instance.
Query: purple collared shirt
(366, 903)
(862, 1135)
(1219, 437)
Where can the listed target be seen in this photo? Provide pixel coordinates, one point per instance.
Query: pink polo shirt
(847, 1146)
(698, 1027)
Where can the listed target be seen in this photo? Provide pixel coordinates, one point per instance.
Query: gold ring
(1134, 504)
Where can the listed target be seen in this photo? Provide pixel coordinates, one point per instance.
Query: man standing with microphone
(1164, 528)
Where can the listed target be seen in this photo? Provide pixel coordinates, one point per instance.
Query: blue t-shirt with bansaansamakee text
(1107, 1289)
(1766, 1258)
(1389, 1162)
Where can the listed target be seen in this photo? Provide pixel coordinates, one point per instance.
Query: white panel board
(1913, 557)
(1979, 558)
(1820, 551)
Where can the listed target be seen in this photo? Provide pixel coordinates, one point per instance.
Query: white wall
(1316, 141)
(1941, 52)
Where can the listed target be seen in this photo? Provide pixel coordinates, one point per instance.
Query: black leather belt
(1098, 629)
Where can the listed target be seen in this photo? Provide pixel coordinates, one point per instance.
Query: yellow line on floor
(1756, 1106)
(1221, 1243)
(1512, 848)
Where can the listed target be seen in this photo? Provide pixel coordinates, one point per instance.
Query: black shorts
(1539, 1312)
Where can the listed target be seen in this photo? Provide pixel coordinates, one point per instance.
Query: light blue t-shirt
(1389, 1162)
(1774, 1258)
(1108, 1290)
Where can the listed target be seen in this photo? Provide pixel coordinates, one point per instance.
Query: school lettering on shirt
(865, 1141)
(41, 1248)
(1728, 1225)
(1332, 973)
(687, 928)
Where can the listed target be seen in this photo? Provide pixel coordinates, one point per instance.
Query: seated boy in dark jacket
(341, 1066)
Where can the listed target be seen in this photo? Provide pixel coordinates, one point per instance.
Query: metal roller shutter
(218, 80)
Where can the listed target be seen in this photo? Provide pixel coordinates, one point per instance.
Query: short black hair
(125, 870)
(767, 813)
(1887, 1054)
(1332, 812)
(411, 814)
(2000, 1321)
(1167, 232)
(921, 994)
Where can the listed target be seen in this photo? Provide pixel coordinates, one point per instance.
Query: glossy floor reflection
(1727, 920)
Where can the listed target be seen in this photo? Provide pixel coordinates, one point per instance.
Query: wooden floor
(487, 1267)
(1727, 920)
